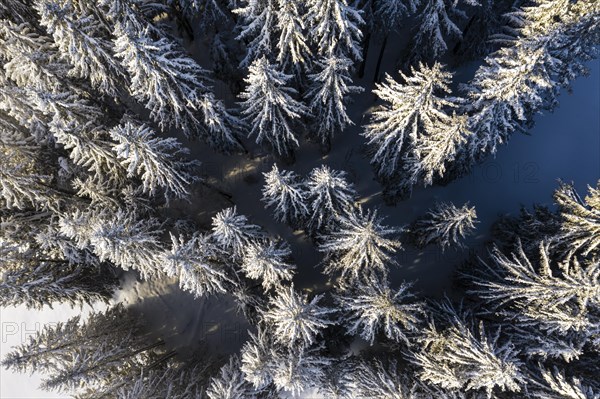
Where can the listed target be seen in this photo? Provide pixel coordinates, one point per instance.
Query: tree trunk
(377, 77)
(363, 64)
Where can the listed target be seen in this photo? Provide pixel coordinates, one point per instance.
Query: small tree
(330, 196)
(445, 225)
(232, 232)
(359, 246)
(296, 320)
(284, 192)
(376, 308)
(268, 262)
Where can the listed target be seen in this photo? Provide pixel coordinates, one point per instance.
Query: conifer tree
(158, 162)
(330, 196)
(445, 225)
(295, 319)
(359, 246)
(375, 309)
(328, 94)
(232, 232)
(284, 192)
(194, 262)
(334, 27)
(413, 110)
(268, 262)
(82, 39)
(580, 220)
(269, 108)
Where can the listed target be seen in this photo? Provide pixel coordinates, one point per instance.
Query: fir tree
(412, 110)
(297, 370)
(194, 262)
(292, 44)
(268, 262)
(284, 192)
(269, 107)
(435, 26)
(230, 383)
(232, 232)
(328, 94)
(376, 309)
(81, 38)
(334, 28)
(359, 246)
(330, 196)
(580, 220)
(295, 319)
(121, 238)
(169, 83)
(445, 225)
(458, 355)
(158, 162)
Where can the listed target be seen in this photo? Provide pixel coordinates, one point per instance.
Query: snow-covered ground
(564, 144)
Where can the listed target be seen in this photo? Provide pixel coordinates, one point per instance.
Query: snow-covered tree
(268, 262)
(334, 28)
(504, 94)
(89, 148)
(376, 309)
(31, 59)
(156, 161)
(121, 238)
(233, 232)
(258, 357)
(298, 369)
(445, 225)
(389, 13)
(517, 281)
(37, 278)
(434, 151)
(194, 262)
(459, 355)
(359, 246)
(269, 107)
(21, 185)
(168, 82)
(556, 385)
(377, 379)
(435, 27)
(330, 196)
(328, 94)
(82, 39)
(211, 12)
(292, 43)
(295, 319)
(411, 110)
(284, 192)
(76, 355)
(580, 220)
(221, 127)
(258, 23)
(230, 383)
